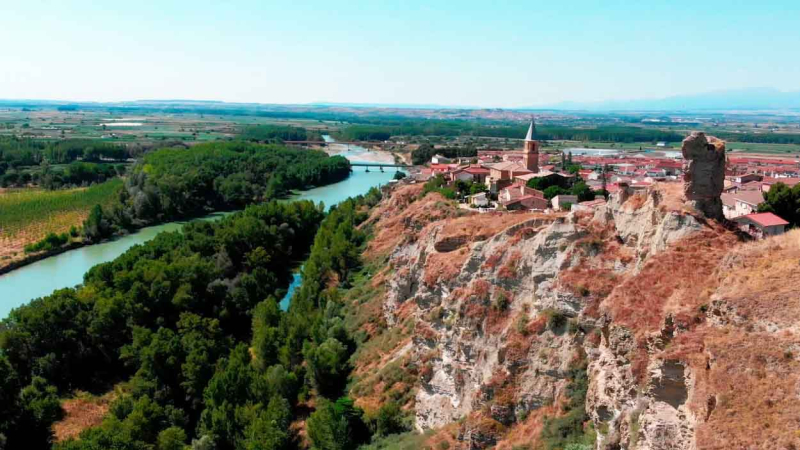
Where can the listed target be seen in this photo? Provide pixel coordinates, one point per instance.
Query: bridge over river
(378, 165)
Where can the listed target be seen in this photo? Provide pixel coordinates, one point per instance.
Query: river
(67, 269)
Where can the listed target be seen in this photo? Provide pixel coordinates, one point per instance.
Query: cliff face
(488, 317)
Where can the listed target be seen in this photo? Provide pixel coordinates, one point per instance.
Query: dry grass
(680, 278)
(527, 432)
(748, 369)
(82, 412)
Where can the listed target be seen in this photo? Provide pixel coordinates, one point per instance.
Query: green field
(763, 148)
(32, 213)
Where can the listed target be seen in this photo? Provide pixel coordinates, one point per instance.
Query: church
(504, 174)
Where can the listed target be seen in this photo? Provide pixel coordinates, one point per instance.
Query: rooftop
(764, 219)
(750, 197)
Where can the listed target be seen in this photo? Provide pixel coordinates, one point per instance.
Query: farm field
(27, 215)
(777, 149)
(136, 127)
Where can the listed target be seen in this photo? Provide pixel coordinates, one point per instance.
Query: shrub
(555, 319)
(500, 302)
(50, 242)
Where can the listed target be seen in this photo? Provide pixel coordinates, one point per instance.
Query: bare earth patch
(81, 413)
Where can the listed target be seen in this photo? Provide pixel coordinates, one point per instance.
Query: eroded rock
(704, 177)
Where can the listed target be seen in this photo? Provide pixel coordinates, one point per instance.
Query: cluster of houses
(743, 193)
(506, 174)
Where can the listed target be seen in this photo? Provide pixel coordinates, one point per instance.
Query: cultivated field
(136, 127)
(27, 215)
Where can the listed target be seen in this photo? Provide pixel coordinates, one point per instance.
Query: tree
(327, 429)
(266, 333)
(328, 366)
(173, 438)
(582, 191)
(96, 227)
(553, 191)
(40, 409)
(389, 419)
(783, 201)
(269, 429)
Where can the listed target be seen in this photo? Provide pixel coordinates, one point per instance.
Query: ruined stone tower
(704, 174)
(531, 154)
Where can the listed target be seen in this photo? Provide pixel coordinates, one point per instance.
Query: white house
(560, 201)
(439, 159)
(480, 200)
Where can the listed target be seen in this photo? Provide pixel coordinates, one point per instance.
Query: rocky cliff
(609, 330)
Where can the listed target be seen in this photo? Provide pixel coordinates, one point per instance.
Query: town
(583, 179)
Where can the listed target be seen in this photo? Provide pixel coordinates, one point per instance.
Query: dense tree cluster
(424, 152)
(191, 321)
(161, 315)
(17, 152)
(557, 185)
(55, 177)
(271, 133)
(27, 161)
(383, 129)
(175, 183)
(603, 133)
(784, 202)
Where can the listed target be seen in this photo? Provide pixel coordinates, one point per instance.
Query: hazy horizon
(471, 54)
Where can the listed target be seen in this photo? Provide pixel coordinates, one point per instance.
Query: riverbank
(23, 259)
(361, 154)
(66, 268)
(8, 265)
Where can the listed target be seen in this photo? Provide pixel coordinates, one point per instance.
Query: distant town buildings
(506, 174)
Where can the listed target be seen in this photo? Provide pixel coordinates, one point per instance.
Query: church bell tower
(531, 153)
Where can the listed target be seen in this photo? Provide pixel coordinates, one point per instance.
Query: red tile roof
(476, 170)
(765, 219)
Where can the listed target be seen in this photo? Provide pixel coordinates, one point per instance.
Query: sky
(470, 53)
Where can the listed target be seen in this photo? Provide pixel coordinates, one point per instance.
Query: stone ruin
(704, 175)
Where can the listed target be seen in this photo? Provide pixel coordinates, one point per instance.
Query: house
(424, 175)
(560, 201)
(741, 203)
(518, 196)
(551, 176)
(589, 205)
(769, 182)
(761, 225)
(442, 168)
(746, 178)
(477, 174)
(526, 202)
(439, 159)
(480, 200)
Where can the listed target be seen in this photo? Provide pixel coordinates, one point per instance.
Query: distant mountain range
(751, 99)
(730, 100)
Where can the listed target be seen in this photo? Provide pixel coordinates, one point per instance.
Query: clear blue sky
(486, 53)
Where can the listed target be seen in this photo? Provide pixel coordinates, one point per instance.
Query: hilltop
(641, 325)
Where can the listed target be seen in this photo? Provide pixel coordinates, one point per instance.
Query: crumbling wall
(704, 177)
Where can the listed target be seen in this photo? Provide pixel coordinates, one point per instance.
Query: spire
(531, 131)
